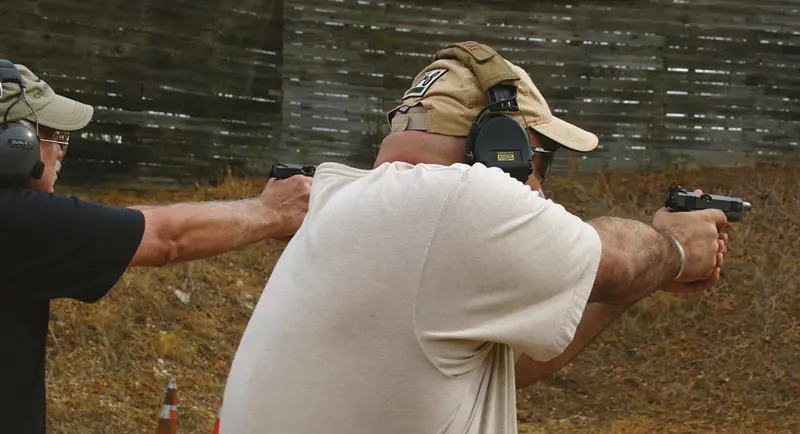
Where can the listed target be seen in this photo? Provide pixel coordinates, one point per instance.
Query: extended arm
(636, 260)
(539, 279)
(189, 231)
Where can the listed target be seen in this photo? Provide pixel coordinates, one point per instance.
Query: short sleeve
(58, 246)
(507, 266)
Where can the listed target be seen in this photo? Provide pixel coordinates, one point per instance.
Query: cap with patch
(52, 110)
(452, 90)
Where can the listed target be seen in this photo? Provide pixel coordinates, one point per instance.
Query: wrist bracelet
(682, 253)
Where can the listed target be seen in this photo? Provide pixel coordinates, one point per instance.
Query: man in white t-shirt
(417, 295)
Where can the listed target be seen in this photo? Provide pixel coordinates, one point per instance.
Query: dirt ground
(727, 360)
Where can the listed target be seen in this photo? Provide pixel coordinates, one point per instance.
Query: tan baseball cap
(452, 91)
(52, 110)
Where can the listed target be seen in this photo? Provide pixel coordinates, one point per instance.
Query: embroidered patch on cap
(421, 87)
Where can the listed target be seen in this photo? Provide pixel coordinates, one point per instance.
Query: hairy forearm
(636, 260)
(596, 318)
(201, 230)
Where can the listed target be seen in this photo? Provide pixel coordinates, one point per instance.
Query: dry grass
(723, 361)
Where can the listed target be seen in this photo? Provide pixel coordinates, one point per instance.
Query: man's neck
(415, 147)
(413, 159)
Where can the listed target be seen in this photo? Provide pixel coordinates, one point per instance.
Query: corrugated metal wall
(714, 80)
(180, 86)
(308, 81)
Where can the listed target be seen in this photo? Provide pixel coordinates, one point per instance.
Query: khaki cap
(52, 110)
(452, 91)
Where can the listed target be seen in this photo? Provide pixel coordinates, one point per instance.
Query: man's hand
(289, 199)
(705, 245)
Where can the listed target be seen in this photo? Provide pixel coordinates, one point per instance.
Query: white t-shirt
(404, 301)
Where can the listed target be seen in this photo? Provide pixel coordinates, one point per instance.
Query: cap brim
(568, 135)
(65, 114)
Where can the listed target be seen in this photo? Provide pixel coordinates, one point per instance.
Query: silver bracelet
(683, 256)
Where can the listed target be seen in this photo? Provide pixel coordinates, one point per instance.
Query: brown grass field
(727, 360)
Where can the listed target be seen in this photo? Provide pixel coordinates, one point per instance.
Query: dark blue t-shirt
(51, 247)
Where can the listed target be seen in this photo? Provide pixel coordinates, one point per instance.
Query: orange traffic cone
(168, 421)
(219, 413)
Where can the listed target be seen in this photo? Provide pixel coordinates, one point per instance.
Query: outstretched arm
(528, 269)
(636, 260)
(189, 231)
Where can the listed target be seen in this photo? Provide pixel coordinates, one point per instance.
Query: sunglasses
(542, 162)
(60, 138)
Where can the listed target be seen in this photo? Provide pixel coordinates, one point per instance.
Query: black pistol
(680, 199)
(283, 171)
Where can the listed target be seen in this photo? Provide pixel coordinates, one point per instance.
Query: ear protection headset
(496, 138)
(20, 159)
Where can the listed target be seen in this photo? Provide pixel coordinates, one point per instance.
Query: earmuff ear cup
(20, 159)
(499, 140)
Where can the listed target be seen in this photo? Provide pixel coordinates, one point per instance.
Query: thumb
(718, 217)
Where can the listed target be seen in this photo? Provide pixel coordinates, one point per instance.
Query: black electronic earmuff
(20, 159)
(497, 139)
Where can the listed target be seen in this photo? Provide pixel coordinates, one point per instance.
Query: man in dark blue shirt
(63, 247)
